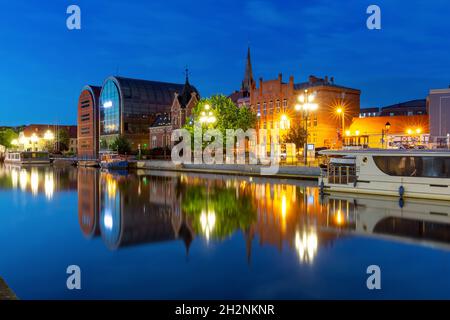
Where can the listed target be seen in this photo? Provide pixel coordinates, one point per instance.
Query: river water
(164, 235)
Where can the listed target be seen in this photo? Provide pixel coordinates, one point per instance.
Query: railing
(340, 174)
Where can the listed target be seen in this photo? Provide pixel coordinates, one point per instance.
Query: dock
(287, 172)
(5, 292)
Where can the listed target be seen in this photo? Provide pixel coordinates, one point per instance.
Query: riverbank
(5, 292)
(291, 172)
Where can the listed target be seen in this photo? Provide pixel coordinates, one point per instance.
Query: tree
(246, 118)
(7, 135)
(63, 140)
(297, 135)
(227, 115)
(121, 145)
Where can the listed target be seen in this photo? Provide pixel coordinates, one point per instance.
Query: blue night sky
(44, 65)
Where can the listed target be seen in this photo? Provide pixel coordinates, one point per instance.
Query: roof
(161, 121)
(152, 92)
(418, 103)
(186, 94)
(95, 90)
(41, 129)
(399, 124)
(320, 82)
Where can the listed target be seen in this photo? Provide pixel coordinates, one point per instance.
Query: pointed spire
(186, 70)
(248, 76)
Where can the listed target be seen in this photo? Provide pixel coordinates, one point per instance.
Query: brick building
(388, 131)
(39, 137)
(180, 112)
(274, 100)
(88, 120)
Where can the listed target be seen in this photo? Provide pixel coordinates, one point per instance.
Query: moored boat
(27, 157)
(114, 162)
(402, 173)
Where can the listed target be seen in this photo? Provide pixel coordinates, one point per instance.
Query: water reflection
(37, 180)
(144, 208)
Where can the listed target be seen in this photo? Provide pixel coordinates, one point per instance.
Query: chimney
(312, 79)
(280, 77)
(332, 80)
(326, 79)
(291, 82)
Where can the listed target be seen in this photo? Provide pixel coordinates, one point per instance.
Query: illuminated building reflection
(38, 180)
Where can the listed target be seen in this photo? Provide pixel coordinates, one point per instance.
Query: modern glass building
(129, 106)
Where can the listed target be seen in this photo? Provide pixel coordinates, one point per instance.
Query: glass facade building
(129, 106)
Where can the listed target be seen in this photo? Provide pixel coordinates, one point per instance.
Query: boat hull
(116, 165)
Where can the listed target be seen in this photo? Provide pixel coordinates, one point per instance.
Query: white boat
(403, 173)
(27, 157)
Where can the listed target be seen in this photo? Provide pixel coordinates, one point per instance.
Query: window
(315, 120)
(407, 166)
(264, 108)
(278, 106)
(284, 105)
(153, 141)
(109, 109)
(271, 107)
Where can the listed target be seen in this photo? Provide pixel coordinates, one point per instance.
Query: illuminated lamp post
(306, 105)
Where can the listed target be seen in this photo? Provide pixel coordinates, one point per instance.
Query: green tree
(121, 145)
(227, 115)
(63, 140)
(7, 135)
(232, 213)
(296, 134)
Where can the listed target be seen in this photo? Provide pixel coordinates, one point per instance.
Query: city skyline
(156, 42)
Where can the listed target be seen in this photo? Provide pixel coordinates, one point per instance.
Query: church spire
(248, 76)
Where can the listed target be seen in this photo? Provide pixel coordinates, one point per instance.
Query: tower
(248, 76)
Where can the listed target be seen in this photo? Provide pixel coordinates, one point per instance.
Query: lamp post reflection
(306, 244)
(207, 222)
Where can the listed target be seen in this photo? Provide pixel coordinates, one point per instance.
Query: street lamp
(207, 116)
(34, 139)
(384, 132)
(340, 111)
(307, 105)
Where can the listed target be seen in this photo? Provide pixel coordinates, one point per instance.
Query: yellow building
(388, 131)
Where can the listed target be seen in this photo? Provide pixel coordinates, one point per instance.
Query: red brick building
(180, 112)
(88, 121)
(274, 100)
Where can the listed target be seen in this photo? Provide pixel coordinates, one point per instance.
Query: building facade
(128, 107)
(439, 112)
(274, 102)
(388, 132)
(45, 137)
(180, 113)
(88, 122)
